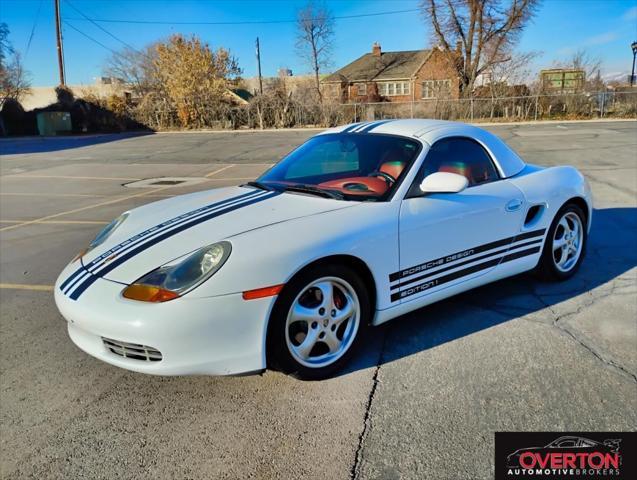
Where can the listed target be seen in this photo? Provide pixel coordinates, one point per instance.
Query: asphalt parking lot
(421, 399)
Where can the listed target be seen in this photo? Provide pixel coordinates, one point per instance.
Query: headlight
(101, 237)
(178, 277)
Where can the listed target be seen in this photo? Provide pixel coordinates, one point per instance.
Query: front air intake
(132, 350)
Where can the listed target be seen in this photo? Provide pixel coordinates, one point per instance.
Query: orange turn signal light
(79, 255)
(262, 292)
(148, 293)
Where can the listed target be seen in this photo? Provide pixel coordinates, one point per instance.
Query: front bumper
(221, 335)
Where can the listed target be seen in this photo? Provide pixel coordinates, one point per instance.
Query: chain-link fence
(536, 107)
(264, 112)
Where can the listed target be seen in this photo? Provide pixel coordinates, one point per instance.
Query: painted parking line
(58, 222)
(81, 209)
(214, 172)
(229, 179)
(71, 177)
(255, 164)
(22, 286)
(71, 195)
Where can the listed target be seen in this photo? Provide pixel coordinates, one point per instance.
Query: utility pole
(259, 68)
(58, 34)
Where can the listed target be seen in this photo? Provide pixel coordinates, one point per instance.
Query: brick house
(394, 77)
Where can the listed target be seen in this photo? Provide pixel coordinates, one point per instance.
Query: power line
(66, 22)
(100, 27)
(248, 22)
(35, 24)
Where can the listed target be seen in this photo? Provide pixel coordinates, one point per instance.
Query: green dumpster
(53, 123)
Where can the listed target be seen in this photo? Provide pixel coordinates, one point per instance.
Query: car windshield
(344, 166)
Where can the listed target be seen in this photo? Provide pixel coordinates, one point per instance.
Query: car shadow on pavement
(23, 145)
(611, 252)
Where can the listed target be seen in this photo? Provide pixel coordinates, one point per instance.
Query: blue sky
(604, 27)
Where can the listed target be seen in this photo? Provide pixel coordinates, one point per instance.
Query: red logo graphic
(565, 457)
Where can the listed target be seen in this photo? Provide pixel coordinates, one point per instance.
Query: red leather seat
(393, 162)
(393, 169)
(458, 168)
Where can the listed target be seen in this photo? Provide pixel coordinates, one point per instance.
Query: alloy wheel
(322, 322)
(568, 241)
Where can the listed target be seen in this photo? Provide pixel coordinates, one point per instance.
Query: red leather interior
(460, 169)
(358, 185)
(393, 169)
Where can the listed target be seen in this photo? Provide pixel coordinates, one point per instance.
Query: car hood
(162, 231)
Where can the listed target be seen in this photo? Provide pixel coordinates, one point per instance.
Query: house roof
(242, 93)
(389, 66)
(237, 96)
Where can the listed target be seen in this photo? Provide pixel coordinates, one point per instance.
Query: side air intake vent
(533, 215)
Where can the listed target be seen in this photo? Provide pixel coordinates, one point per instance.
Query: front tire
(316, 322)
(565, 244)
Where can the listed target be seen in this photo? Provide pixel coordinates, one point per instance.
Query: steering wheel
(385, 176)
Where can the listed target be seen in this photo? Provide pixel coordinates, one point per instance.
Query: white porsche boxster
(358, 225)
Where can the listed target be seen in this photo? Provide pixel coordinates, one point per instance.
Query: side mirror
(443, 182)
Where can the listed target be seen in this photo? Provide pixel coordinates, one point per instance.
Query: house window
(361, 89)
(436, 88)
(391, 89)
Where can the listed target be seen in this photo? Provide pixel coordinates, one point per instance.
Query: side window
(567, 443)
(462, 156)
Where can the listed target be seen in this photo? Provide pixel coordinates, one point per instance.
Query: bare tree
(315, 32)
(135, 68)
(590, 64)
(14, 80)
(582, 60)
(506, 78)
(477, 34)
(5, 45)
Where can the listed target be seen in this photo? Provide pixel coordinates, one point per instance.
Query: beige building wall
(42, 96)
(292, 83)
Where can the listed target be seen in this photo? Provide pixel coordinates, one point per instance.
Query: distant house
(395, 77)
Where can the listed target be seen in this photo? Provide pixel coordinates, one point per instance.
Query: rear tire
(316, 322)
(565, 244)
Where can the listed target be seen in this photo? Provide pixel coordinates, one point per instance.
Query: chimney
(376, 49)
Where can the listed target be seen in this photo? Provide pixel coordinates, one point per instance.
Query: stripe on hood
(86, 275)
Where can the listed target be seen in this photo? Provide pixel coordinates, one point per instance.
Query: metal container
(53, 123)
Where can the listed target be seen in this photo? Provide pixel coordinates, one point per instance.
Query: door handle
(513, 205)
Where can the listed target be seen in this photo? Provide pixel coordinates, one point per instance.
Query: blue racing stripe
(120, 260)
(93, 270)
(140, 237)
(373, 125)
(76, 281)
(184, 217)
(71, 277)
(352, 127)
(359, 126)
